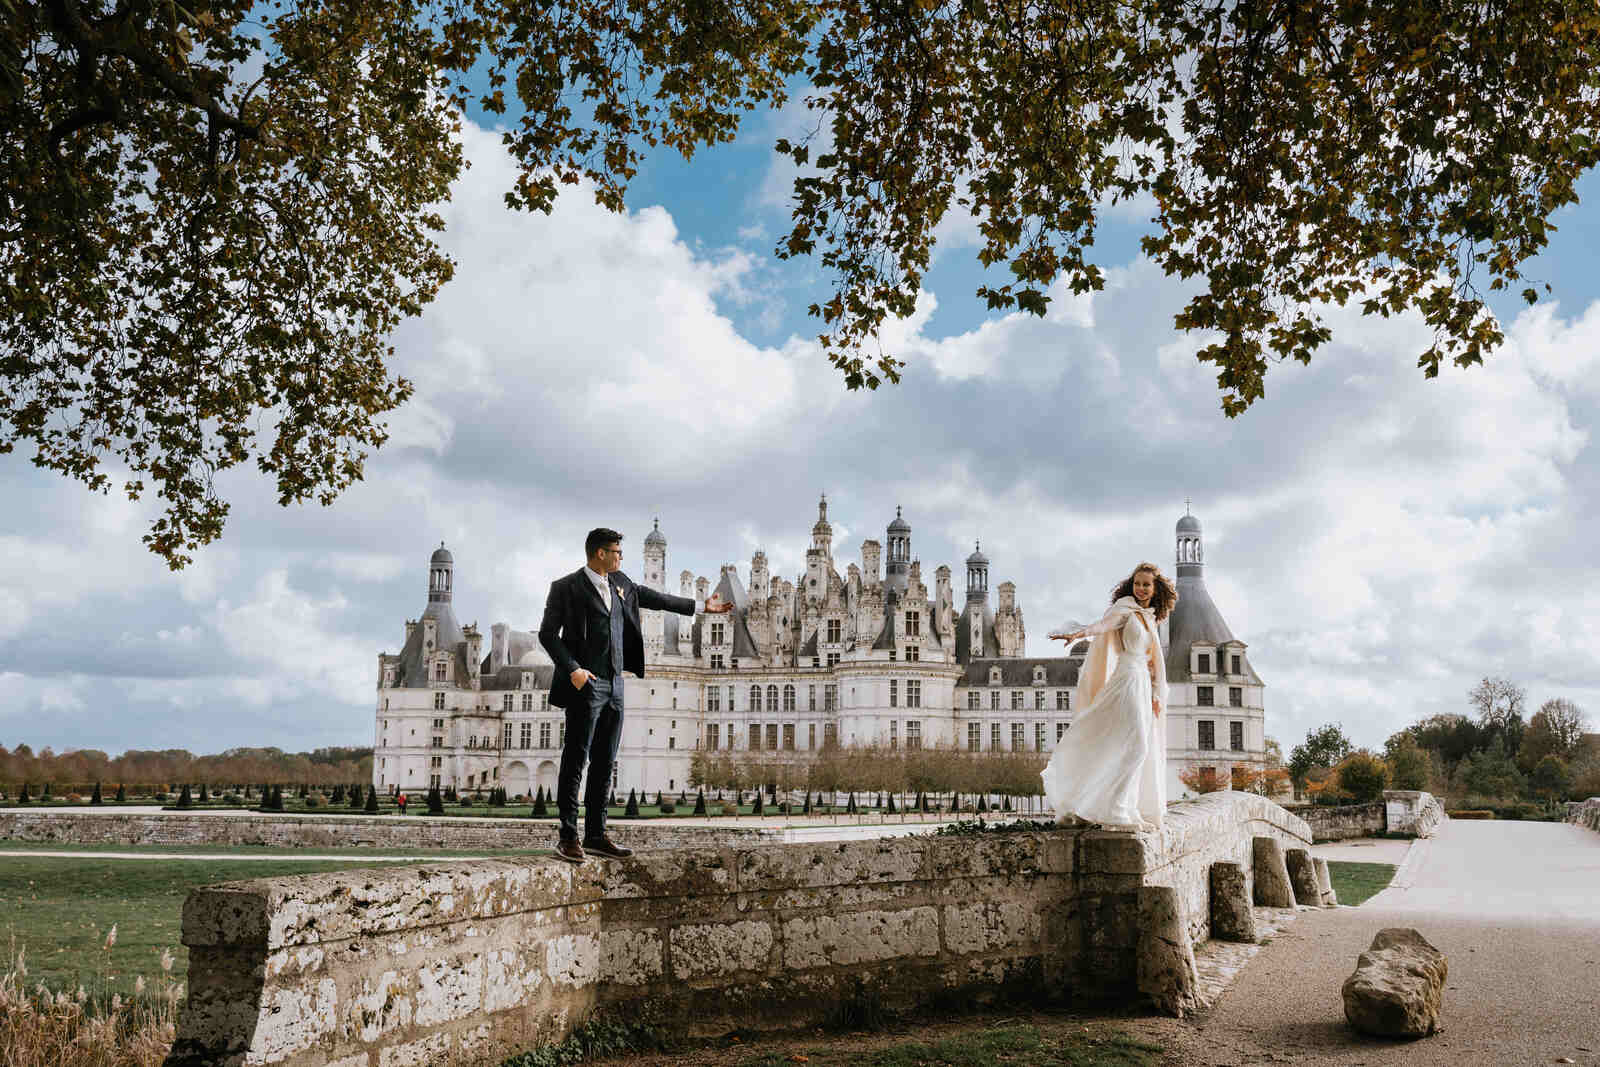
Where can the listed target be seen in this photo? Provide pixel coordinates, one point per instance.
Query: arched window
(772, 698)
(788, 698)
(755, 698)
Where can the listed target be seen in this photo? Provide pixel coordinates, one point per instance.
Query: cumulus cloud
(1379, 541)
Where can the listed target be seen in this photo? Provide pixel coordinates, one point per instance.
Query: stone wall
(1586, 814)
(1338, 823)
(394, 832)
(471, 962)
(1412, 811)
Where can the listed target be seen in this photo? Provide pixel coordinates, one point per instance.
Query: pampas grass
(40, 1027)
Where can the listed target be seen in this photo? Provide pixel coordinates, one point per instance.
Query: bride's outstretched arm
(1114, 617)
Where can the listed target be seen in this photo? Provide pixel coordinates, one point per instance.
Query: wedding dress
(1110, 766)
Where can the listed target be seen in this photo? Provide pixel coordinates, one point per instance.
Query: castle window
(833, 659)
(914, 693)
(505, 736)
(438, 701)
(913, 654)
(830, 697)
(439, 671)
(505, 702)
(1016, 700)
(830, 735)
(1038, 737)
(1204, 661)
(1235, 696)
(1204, 695)
(994, 675)
(716, 661)
(772, 699)
(994, 737)
(1208, 734)
(755, 698)
(894, 735)
(788, 698)
(1018, 736)
(716, 633)
(544, 735)
(1236, 736)
(1235, 665)
(972, 700)
(788, 737)
(713, 699)
(811, 698)
(913, 624)
(891, 655)
(772, 737)
(525, 736)
(994, 700)
(1038, 675)
(438, 742)
(1061, 728)
(833, 631)
(712, 738)
(1038, 699)
(755, 737)
(672, 742)
(894, 693)
(1063, 700)
(913, 733)
(811, 736)
(527, 702)
(974, 737)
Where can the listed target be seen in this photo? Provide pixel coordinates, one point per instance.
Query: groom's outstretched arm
(550, 632)
(659, 601)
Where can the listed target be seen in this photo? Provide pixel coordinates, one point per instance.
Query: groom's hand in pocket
(580, 678)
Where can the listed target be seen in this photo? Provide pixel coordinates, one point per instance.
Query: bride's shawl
(1107, 646)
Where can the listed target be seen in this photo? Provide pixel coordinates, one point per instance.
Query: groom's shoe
(604, 846)
(569, 850)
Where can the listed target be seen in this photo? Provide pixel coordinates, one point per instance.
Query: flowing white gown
(1110, 766)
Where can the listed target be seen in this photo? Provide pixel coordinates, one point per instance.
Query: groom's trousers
(594, 730)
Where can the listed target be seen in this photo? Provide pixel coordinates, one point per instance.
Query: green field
(1016, 1043)
(59, 912)
(1355, 882)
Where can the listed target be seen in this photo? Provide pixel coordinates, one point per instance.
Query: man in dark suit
(591, 630)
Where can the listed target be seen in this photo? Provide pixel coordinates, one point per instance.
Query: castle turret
(975, 637)
(441, 568)
(1195, 619)
(655, 559)
(871, 557)
(760, 577)
(977, 576)
(819, 557)
(898, 571)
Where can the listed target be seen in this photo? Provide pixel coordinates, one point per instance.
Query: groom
(591, 630)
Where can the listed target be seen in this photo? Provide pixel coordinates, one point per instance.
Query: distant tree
(338, 795)
(1550, 778)
(755, 808)
(1323, 747)
(23, 797)
(1454, 737)
(1408, 764)
(1272, 752)
(1499, 704)
(1201, 780)
(274, 800)
(1363, 775)
(890, 808)
(849, 808)
(1491, 772)
(1555, 730)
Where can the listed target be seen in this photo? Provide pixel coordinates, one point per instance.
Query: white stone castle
(826, 659)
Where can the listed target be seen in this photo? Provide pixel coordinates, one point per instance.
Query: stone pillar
(1231, 917)
(1303, 877)
(1325, 883)
(1271, 874)
(1165, 962)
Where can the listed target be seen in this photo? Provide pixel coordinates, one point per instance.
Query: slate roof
(991, 646)
(413, 670)
(1017, 671)
(1195, 618)
(510, 677)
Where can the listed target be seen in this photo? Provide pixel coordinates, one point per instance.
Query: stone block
(428, 1052)
(703, 949)
(630, 957)
(860, 937)
(379, 1005)
(1231, 917)
(572, 960)
(1303, 877)
(449, 989)
(1397, 988)
(1330, 898)
(1104, 852)
(989, 925)
(1164, 965)
(833, 863)
(1272, 886)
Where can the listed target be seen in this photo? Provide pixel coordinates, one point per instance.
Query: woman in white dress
(1110, 766)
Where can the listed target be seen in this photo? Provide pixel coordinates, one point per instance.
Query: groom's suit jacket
(572, 643)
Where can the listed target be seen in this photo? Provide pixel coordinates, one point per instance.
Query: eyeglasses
(613, 551)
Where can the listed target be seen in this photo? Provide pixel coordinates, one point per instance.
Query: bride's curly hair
(1161, 601)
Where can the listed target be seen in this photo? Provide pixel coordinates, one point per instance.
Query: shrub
(730, 809)
(371, 805)
(1469, 813)
(355, 798)
(1363, 775)
(541, 805)
(122, 794)
(97, 798)
(338, 795)
(632, 810)
(435, 801)
(313, 800)
(755, 808)
(185, 799)
(466, 800)
(700, 802)
(658, 798)
(274, 800)
(667, 807)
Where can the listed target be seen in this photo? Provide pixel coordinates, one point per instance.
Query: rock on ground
(1397, 989)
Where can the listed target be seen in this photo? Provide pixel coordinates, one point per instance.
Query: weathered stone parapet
(1216, 826)
(1231, 916)
(1342, 821)
(470, 962)
(1330, 898)
(345, 832)
(1586, 814)
(1165, 964)
(1411, 811)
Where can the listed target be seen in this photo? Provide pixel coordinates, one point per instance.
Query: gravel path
(1515, 907)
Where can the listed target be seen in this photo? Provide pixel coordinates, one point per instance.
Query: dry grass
(45, 1028)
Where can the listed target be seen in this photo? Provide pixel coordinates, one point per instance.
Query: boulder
(1231, 917)
(1303, 877)
(1330, 897)
(1272, 876)
(1397, 989)
(1165, 967)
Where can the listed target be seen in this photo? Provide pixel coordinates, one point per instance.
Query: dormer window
(440, 671)
(1038, 675)
(1204, 660)
(1234, 664)
(994, 675)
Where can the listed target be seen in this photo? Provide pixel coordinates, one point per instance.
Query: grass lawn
(60, 910)
(1355, 882)
(1013, 1043)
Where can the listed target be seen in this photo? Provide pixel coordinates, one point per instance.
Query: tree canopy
(216, 213)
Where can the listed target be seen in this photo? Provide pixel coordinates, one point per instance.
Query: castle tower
(871, 554)
(975, 636)
(897, 573)
(441, 567)
(819, 557)
(1195, 619)
(655, 576)
(760, 577)
(977, 576)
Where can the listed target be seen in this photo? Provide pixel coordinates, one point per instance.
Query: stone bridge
(472, 962)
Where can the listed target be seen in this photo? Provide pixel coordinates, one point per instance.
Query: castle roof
(412, 672)
(1018, 671)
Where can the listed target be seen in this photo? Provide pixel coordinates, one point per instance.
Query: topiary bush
(185, 798)
(700, 802)
(371, 805)
(632, 810)
(96, 798)
(541, 804)
(667, 807)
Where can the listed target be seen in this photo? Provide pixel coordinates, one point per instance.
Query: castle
(860, 658)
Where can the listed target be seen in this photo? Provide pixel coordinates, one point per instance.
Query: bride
(1110, 767)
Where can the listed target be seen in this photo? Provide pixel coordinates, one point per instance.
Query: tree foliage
(1323, 747)
(1363, 775)
(216, 213)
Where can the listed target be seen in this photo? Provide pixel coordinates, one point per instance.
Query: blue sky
(1380, 542)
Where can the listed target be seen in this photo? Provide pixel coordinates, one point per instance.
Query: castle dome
(899, 525)
(977, 556)
(441, 555)
(1188, 524)
(655, 536)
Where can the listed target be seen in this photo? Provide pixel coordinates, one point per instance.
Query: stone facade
(1342, 822)
(862, 657)
(1586, 814)
(472, 962)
